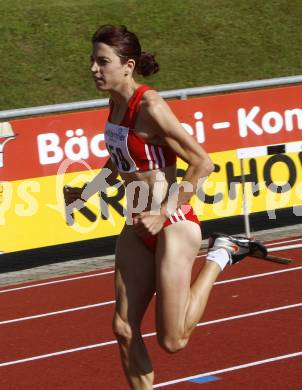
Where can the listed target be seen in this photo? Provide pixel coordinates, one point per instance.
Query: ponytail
(146, 64)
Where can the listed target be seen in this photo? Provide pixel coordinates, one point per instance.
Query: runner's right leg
(134, 288)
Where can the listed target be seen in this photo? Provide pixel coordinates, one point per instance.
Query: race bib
(116, 138)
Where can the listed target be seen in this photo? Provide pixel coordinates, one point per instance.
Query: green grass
(45, 44)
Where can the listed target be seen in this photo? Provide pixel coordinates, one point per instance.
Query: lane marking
(254, 313)
(56, 281)
(63, 311)
(69, 279)
(284, 242)
(64, 352)
(53, 313)
(255, 276)
(228, 369)
(285, 248)
(67, 351)
(205, 379)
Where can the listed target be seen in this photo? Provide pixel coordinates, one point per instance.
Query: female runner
(158, 245)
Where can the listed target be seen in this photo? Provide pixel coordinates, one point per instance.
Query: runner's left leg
(180, 305)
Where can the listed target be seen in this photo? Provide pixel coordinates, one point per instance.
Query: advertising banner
(38, 156)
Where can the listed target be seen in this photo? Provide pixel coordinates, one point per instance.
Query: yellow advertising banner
(33, 211)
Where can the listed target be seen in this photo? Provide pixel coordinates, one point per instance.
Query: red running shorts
(184, 213)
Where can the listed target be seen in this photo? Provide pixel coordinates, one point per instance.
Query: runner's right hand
(71, 194)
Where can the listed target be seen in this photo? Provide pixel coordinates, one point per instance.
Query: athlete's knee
(172, 344)
(122, 330)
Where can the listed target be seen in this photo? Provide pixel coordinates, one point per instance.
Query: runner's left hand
(146, 223)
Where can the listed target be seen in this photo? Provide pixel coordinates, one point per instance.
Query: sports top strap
(133, 107)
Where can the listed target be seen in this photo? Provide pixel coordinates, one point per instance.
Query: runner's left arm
(158, 115)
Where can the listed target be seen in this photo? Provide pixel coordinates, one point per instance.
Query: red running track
(247, 320)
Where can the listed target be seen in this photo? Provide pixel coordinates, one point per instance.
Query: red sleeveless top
(127, 149)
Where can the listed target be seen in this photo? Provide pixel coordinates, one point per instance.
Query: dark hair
(126, 45)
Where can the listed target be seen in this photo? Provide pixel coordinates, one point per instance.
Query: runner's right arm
(104, 179)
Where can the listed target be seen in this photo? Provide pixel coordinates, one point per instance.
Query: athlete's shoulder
(152, 101)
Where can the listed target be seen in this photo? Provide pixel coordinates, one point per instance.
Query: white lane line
(53, 313)
(56, 281)
(285, 248)
(280, 271)
(228, 369)
(113, 302)
(254, 313)
(283, 242)
(66, 351)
